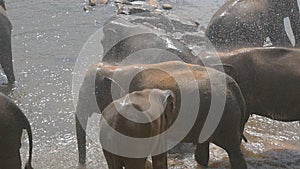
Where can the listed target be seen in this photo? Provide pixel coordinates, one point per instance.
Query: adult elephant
(5, 44)
(123, 39)
(12, 123)
(247, 23)
(102, 84)
(269, 79)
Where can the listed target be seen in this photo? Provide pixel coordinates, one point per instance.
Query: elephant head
(140, 114)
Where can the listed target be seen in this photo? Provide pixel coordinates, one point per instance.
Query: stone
(135, 10)
(95, 2)
(153, 3)
(87, 8)
(167, 6)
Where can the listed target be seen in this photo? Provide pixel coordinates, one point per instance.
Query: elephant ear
(168, 102)
(107, 90)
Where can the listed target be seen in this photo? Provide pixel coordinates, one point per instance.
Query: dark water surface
(47, 38)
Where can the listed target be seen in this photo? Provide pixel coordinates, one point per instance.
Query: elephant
(100, 87)
(133, 38)
(247, 23)
(12, 123)
(268, 77)
(5, 44)
(149, 103)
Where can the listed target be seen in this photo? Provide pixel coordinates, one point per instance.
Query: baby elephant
(12, 123)
(140, 114)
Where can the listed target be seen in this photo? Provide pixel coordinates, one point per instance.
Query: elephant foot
(28, 166)
(202, 154)
(237, 159)
(199, 166)
(81, 166)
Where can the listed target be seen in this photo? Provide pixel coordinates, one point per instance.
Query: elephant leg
(135, 163)
(202, 154)
(233, 148)
(6, 57)
(160, 161)
(112, 160)
(236, 158)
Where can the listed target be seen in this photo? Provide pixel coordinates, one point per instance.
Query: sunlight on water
(47, 38)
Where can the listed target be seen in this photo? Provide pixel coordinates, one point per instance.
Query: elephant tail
(242, 103)
(28, 129)
(26, 125)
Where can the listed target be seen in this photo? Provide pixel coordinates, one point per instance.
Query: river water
(47, 38)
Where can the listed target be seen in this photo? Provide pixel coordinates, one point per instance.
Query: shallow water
(47, 38)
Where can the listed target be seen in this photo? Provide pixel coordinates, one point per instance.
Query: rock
(87, 8)
(95, 2)
(167, 6)
(134, 10)
(120, 7)
(119, 1)
(153, 3)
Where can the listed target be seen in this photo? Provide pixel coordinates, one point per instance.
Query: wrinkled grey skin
(247, 23)
(269, 79)
(5, 45)
(228, 134)
(123, 38)
(12, 123)
(145, 106)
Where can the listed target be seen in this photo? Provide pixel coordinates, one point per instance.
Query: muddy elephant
(269, 79)
(12, 123)
(247, 23)
(5, 44)
(101, 87)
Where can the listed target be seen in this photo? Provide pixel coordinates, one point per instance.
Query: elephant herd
(192, 100)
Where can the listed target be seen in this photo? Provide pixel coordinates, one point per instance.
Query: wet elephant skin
(12, 123)
(150, 77)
